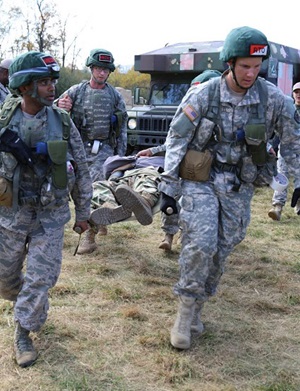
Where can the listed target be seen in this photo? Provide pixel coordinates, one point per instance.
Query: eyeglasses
(101, 69)
(47, 82)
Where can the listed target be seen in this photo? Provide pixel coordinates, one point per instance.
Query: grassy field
(111, 313)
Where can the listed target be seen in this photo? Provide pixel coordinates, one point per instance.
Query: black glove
(295, 197)
(11, 142)
(167, 202)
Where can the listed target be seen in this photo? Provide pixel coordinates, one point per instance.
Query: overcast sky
(131, 27)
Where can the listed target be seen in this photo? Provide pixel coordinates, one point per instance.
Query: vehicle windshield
(167, 94)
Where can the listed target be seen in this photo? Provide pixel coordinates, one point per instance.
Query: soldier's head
(296, 93)
(101, 63)
(4, 65)
(34, 74)
(205, 76)
(247, 48)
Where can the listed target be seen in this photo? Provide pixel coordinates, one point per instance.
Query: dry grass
(111, 312)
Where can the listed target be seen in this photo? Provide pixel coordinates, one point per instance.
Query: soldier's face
(246, 70)
(296, 96)
(100, 74)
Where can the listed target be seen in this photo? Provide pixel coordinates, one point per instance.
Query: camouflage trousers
(42, 250)
(143, 180)
(169, 224)
(212, 223)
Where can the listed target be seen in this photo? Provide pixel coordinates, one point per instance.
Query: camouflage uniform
(96, 108)
(35, 228)
(214, 214)
(280, 197)
(142, 180)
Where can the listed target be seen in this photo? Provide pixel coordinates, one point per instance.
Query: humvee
(173, 67)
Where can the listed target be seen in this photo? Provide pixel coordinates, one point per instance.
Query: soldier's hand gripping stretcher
(168, 204)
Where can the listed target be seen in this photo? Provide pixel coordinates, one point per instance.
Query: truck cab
(173, 67)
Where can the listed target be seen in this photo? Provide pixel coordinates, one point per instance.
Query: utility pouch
(255, 137)
(57, 151)
(195, 166)
(6, 192)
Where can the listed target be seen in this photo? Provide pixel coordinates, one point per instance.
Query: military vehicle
(173, 67)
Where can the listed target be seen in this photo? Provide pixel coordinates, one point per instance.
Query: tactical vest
(77, 113)
(255, 135)
(58, 125)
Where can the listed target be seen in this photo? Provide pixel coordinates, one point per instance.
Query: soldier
(42, 163)
(99, 112)
(279, 197)
(216, 153)
(169, 223)
(4, 90)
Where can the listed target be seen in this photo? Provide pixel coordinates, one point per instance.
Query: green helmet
(31, 66)
(245, 42)
(205, 76)
(101, 58)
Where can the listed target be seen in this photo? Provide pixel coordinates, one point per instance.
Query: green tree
(130, 80)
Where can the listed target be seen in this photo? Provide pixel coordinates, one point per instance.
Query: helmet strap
(97, 82)
(232, 68)
(34, 94)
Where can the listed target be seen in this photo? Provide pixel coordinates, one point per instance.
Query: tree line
(41, 28)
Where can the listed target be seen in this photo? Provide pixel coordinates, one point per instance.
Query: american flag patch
(190, 112)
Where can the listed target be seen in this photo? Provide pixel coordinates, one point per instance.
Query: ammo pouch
(195, 166)
(57, 151)
(255, 137)
(6, 192)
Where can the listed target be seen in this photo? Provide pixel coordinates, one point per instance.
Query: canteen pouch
(195, 166)
(255, 137)
(6, 192)
(57, 151)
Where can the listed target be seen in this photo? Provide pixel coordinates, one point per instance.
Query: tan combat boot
(102, 230)
(134, 202)
(26, 355)
(275, 212)
(197, 325)
(181, 331)
(87, 244)
(166, 244)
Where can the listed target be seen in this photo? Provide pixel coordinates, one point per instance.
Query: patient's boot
(138, 204)
(109, 214)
